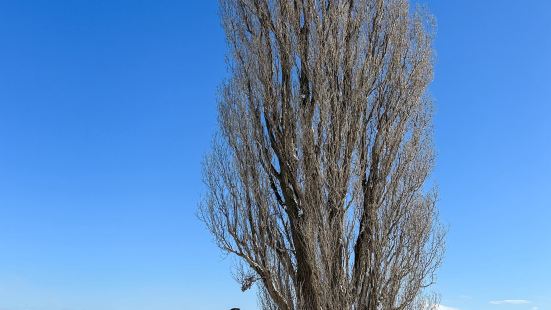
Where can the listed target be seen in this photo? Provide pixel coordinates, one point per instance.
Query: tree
(316, 181)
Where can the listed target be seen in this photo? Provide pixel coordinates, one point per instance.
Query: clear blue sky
(107, 107)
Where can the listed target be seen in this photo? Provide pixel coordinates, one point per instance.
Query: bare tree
(317, 178)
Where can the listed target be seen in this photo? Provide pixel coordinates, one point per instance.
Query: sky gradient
(107, 108)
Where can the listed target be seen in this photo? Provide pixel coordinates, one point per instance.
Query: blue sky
(107, 107)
